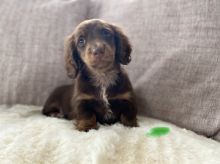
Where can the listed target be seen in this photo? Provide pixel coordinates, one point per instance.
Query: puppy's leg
(86, 118)
(53, 110)
(127, 110)
(58, 101)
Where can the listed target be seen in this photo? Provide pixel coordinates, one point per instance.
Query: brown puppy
(101, 91)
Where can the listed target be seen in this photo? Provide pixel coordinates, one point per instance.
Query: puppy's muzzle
(97, 49)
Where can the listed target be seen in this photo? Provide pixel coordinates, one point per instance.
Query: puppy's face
(97, 44)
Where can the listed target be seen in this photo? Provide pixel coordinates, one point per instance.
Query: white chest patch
(103, 95)
(109, 115)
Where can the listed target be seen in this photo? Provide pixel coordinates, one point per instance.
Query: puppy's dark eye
(81, 41)
(106, 33)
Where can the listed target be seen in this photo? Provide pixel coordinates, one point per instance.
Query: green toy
(158, 131)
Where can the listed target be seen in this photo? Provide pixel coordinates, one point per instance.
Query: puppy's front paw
(128, 122)
(86, 124)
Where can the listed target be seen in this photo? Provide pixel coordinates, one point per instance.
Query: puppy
(101, 91)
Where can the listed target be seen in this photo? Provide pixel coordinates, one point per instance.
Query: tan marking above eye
(126, 95)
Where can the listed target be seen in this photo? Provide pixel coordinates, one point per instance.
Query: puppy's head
(96, 44)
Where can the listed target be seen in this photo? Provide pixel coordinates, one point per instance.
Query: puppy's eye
(81, 41)
(106, 33)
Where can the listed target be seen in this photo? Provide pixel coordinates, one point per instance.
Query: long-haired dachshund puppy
(101, 91)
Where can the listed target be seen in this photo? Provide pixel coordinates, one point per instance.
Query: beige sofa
(174, 70)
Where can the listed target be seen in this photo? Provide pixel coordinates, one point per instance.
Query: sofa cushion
(176, 59)
(31, 50)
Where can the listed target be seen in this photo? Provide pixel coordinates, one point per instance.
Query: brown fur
(101, 91)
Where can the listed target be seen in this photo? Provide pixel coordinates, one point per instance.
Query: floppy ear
(71, 57)
(123, 46)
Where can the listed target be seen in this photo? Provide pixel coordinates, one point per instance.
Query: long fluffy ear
(123, 46)
(71, 56)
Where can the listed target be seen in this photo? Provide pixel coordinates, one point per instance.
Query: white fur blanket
(26, 136)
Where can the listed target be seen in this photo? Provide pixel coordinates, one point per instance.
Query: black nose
(98, 49)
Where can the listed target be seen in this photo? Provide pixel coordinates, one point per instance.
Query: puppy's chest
(106, 95)
(108, 116)
(103, 85)
(103, 96)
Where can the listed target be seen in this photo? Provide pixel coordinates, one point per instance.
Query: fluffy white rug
(26, 136)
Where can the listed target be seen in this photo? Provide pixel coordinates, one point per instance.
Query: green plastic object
(158, 131)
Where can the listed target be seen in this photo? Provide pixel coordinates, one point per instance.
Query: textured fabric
(31, 50)
(28, 137)
(176, 59)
